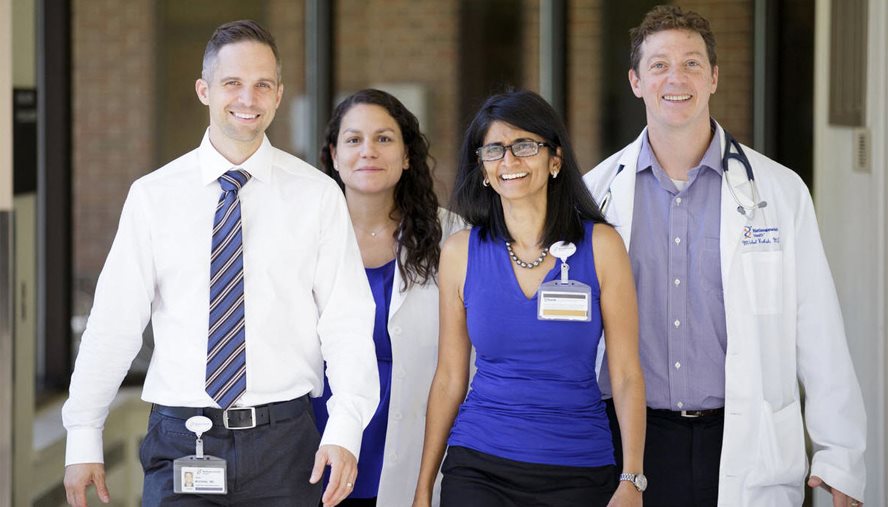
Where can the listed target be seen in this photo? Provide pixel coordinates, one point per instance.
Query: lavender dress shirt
(677, 266)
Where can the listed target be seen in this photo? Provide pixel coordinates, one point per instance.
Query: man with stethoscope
(737, 305)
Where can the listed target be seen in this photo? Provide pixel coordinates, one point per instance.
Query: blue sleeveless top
(534, 397)
(373, 444)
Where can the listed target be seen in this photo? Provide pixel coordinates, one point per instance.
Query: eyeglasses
(492, 152)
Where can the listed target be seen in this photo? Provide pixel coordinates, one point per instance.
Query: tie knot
(234, 180)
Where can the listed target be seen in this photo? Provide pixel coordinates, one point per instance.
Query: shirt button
(397, 416)
(677, 240)
(677, 282)
(679, 404)
(396, 329)
(677, 365)
(676, 323)
(677, 201)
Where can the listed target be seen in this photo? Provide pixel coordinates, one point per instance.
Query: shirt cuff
(344, 432)
(84, 445)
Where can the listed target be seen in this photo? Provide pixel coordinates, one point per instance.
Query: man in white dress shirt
(296, 290)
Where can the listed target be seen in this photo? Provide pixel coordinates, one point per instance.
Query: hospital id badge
(199, 473)
(571, 301)
(204, 475)
(564, 299)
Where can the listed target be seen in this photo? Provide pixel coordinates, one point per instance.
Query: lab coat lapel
(398, 294)
(732, 221)
(623, 191)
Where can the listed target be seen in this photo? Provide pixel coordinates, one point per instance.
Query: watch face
(641, 482)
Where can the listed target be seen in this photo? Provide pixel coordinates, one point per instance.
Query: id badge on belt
(564, 299)
(199, 473)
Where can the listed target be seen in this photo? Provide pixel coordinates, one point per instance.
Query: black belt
(240, 418)
(686, 414)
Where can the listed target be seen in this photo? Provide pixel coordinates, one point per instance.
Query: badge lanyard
(564, 299)
(199, 473)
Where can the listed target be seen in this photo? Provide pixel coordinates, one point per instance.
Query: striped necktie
(226, 346)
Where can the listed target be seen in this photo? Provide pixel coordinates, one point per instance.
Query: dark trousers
(268, 465)
(681, 457)
(476, 479)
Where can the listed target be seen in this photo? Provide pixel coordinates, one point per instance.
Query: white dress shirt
(307, 299)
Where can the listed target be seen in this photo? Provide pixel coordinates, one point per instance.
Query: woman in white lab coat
(375, 151)
(784, 327)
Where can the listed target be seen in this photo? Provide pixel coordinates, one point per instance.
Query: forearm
(630, 407)
(444, 399)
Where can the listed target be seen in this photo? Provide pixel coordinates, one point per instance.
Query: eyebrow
(260, 80)
(662, 55)
(516, 140)
(356, 131)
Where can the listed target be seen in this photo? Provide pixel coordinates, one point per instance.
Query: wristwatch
(638, 480)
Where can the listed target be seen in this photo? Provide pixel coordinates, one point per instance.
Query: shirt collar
(711, 157)
(213, 164)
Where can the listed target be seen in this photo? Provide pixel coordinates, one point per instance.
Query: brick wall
(376, 42)
(584, 80)
(112, 118)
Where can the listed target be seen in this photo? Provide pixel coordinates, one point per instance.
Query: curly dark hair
(568, 201)
(419, 231)
(670, 17)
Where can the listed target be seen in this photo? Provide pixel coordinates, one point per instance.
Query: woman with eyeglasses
(376, 152)
(533, 428)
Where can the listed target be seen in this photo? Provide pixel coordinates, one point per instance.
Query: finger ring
(854, 503)
(349, 486)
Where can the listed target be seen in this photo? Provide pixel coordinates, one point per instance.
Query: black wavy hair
(418, 234)
(568, 201)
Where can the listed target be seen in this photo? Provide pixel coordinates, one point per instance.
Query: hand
(343, 472)
(625, 495)
(839, 499)
(78, 478)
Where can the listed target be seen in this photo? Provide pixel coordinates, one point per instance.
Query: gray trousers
(268, 465)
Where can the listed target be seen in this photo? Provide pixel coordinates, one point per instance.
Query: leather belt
(240, 418)
(686, 414)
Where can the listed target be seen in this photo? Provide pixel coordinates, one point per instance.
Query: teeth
(677, 97)
(513, 176)
(246, 116)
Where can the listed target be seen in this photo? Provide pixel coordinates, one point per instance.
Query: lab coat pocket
(763, 272)
(781, 447)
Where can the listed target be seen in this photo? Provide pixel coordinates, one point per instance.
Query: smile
(677, 98)
(513, 176)
(244, 116)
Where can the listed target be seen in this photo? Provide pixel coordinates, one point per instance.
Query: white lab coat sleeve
(834, 410)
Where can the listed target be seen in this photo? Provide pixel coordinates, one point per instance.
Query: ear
(333, 157)
(203, 91)
(406, 160)
(280, 95)
(635, 83)
(555, 162)
(714, 79)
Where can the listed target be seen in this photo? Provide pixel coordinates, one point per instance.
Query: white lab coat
(784, 326)
(413, 328)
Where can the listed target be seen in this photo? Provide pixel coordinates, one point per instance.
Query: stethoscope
(738, 155)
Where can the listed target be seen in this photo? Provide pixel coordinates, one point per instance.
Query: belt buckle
(251, 410)
(691, 414)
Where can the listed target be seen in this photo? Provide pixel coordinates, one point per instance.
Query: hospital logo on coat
(760, 236)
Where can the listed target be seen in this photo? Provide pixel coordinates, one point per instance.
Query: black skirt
(476, 479)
